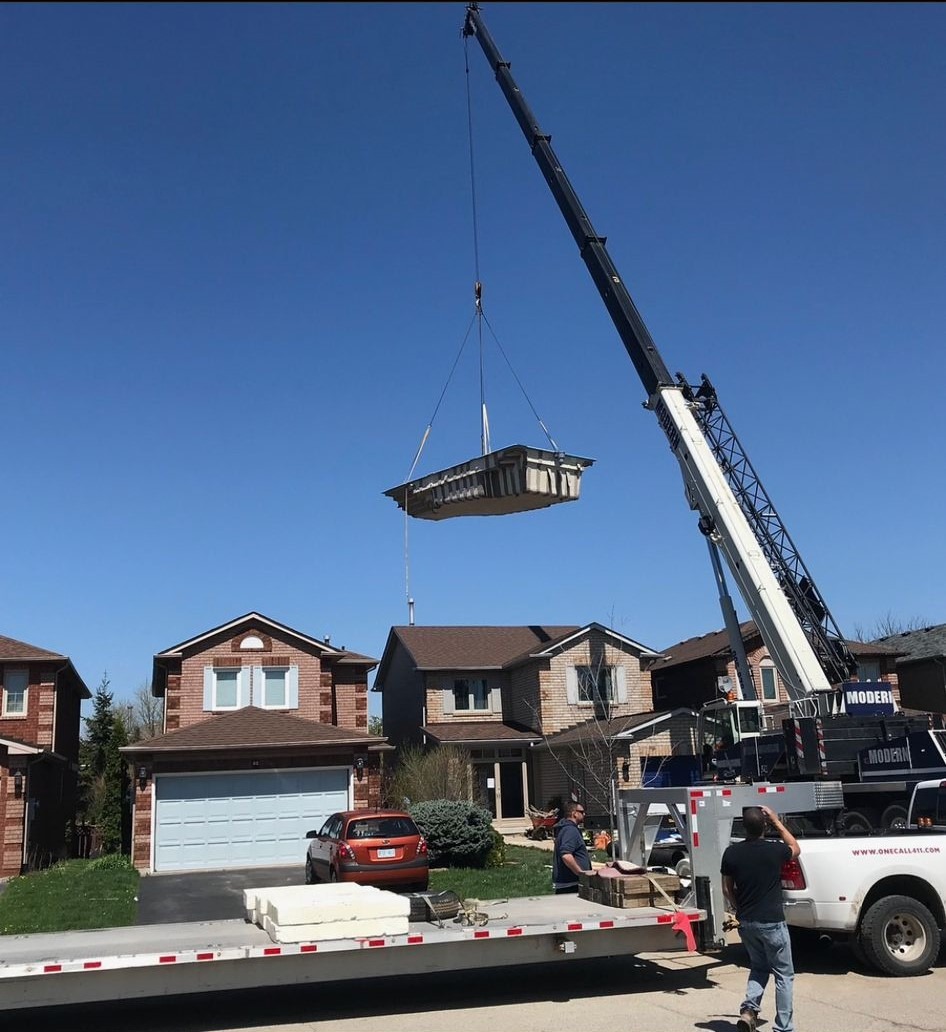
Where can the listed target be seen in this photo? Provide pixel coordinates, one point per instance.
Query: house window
(596, 685)
(15, 692)
(769, 683)
(470, 693)
(868, 670)
(273, 688)
(226, 694)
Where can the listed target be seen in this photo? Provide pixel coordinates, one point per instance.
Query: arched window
(252, 642)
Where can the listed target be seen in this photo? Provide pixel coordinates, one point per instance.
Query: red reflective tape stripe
(696, 795)
(411, 939)
(167, 960)
(695, 917)
(514, 931)
(205, 956)
(780, 788)
(727, 791)
(51, 969)
(574, 927)
(481, 935)
(272, 951)
(665, 919)
(377, 942)
(696, 840)
(605, 924)
(309, 947)
(89, 964)
(693, 807)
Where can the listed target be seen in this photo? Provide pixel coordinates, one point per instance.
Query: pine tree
(92, 751)
(115, 789)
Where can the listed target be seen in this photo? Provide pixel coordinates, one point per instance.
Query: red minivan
(371, 847)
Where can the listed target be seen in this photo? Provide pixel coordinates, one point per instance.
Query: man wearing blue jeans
(752, 885)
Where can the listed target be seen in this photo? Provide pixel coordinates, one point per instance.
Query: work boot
(747, 1021)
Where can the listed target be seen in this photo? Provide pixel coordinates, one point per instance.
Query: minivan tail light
(793, 877)
(421, 846)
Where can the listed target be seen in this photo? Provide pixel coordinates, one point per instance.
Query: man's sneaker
(747, 1021)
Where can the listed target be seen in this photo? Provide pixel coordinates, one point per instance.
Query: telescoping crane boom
(735, 512)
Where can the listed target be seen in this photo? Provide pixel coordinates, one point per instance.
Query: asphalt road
(657, 993)
(206, 895)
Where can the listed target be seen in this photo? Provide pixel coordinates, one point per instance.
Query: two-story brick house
(39, 755)
(535, 707)
(265, 735)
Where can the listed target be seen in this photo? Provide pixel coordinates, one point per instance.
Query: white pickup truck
(887, 893)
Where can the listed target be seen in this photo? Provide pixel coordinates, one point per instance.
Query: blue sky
(237, 266)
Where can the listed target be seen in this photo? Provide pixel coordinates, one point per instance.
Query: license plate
(386, 854)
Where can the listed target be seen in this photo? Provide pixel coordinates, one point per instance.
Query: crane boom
(735, 511)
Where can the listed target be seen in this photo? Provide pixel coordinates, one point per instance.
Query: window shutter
(571, 685)
(208, 687)
(243, 687)
(292, 687)
(254, 697)
(448, 706)
(496, 699)
(620, 679)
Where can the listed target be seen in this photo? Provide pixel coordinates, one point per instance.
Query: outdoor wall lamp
(625, 771)
(142, 777)
(360, 767)
(17, 784)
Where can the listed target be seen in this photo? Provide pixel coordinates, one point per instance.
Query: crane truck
(832, 717)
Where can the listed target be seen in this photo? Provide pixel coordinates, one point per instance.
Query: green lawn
(527, 872)
(72, 895)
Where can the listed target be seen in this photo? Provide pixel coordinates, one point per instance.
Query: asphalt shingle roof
(919, 644)
(11, 649)
(480, 731)
(253, 728)
(472, 648)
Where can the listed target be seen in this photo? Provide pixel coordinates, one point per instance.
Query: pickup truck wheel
(900, 936)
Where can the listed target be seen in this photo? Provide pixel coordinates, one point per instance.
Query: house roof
(482, 731)
(923, 643)
(485, 648)
(619, 727)
(340, 655)
(716, 643)
(251, 728)
(13, 651)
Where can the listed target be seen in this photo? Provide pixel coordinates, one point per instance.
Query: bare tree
(147, 714)
(887, 625)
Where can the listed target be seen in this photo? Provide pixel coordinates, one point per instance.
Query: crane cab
(724, 725)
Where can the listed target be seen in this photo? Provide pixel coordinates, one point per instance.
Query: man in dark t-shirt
(752, 885)
(571, 854)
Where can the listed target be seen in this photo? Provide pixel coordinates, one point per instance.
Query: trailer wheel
(899, 936)
(894, 817)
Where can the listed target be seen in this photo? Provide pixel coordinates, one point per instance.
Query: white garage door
(244, 819)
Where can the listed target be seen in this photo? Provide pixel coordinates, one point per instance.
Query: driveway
(206, 895)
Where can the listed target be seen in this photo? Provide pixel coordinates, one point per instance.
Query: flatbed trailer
(146, 961)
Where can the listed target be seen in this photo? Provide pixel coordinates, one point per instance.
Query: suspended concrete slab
(513, 479)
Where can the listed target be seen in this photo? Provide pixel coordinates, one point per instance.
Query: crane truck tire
(853, 822)
(899, 936)
(894, 818)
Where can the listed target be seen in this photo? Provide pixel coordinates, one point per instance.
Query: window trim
(767, 664)
(5, 712)
(471, 706)
(216, 672)
(263, 704)
(610, 697)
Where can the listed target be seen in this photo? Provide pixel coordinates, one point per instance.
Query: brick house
(694, 671)
(39, 755)
(508, 695)
(265, 735)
